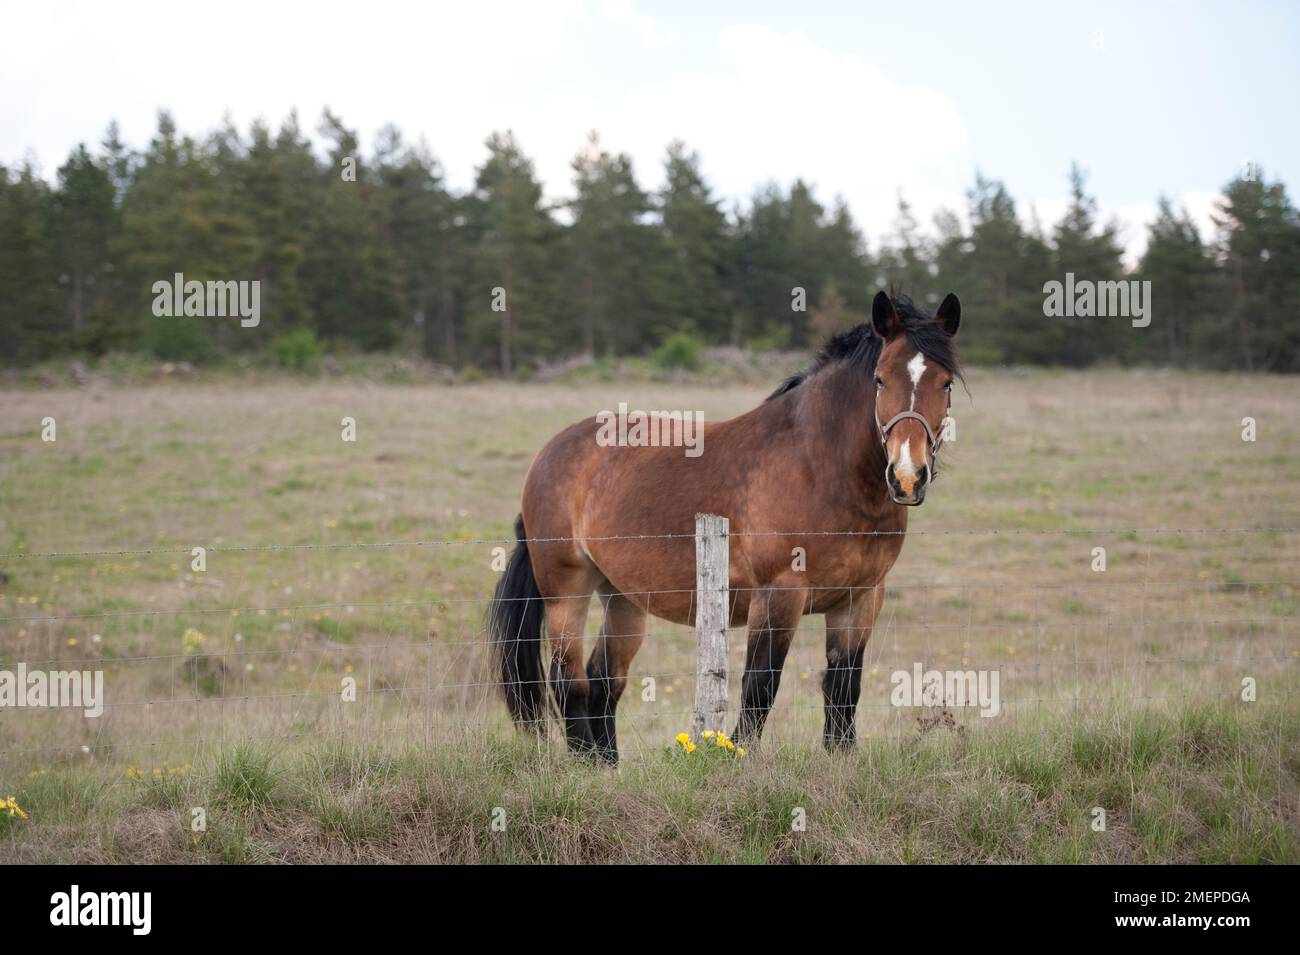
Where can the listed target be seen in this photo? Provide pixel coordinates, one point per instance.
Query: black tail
(515, 623)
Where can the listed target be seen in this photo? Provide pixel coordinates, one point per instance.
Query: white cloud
(764, 105)
(451, 72)
(652, 33)
(775, 106)
(758, 104)
(1135, 219)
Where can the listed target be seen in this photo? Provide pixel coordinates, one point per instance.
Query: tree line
(376, 252)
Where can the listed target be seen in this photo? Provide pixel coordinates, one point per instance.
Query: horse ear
(883, 317)
(949, 314)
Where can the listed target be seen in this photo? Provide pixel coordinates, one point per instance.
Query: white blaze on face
(905, 469)
(915, 369)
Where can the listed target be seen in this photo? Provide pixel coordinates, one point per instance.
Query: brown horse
(813, 467)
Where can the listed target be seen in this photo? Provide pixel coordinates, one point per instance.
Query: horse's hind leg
(848, 627)
(566, 618)
(620, 638)
(773, 617)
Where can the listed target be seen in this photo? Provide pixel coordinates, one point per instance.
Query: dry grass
(1164, 635)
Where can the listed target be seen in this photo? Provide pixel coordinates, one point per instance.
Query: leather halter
(933, 443)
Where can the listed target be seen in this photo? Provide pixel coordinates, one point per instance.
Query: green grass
(1120, 689)
(244, 779)
(1210, 784)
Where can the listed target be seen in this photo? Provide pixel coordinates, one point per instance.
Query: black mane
(860, 345)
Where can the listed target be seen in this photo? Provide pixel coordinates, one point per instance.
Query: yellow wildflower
(708, 734)
(683, 738)
(192, 641)
(690, 747)
(740, 751)
(14, 809)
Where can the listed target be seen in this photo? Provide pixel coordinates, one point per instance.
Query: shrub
(679, 350)
(179, 339)
(298, 350)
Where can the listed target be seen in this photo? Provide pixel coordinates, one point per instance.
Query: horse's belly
(680, 608)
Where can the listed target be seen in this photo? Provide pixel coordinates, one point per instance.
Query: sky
(864, 100)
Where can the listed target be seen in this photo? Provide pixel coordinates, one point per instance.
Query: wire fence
(684, 535)
(1147, 641)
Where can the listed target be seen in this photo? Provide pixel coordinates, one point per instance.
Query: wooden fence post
(712, 616)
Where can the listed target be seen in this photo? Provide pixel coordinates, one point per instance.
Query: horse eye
(948, 385)
(880, 382)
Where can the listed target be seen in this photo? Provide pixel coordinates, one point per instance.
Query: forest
(371, 250)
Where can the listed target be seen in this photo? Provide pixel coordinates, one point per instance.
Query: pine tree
(29, 293)
(1001, 269)
(85, 221)
(349, 272)
(790, 243)
(179, 216)
(1259, 244)
(699, 248)
(417, 224)
(765, 272)
(1187, 292)
(278, 187)
(516, 254)
(844, 260)
(619, 263)
(906, 256)
(1092, 253)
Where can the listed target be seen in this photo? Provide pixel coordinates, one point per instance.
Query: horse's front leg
(773, 617)
(848, 627)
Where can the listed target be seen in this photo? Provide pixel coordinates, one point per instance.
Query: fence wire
(457, 687)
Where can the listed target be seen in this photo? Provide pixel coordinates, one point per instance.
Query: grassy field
(1119, 690)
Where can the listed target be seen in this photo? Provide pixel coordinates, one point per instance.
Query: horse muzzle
(907, 484)
(899, 490)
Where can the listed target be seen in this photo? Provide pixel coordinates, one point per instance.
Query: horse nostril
(923, 475)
